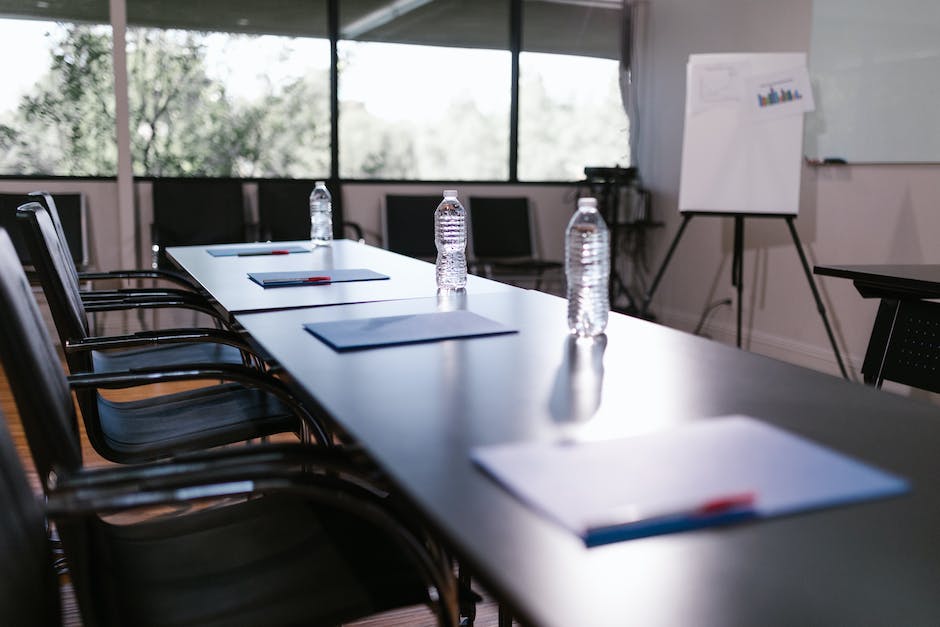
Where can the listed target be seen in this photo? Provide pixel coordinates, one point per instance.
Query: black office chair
(247, 404)
(503, 241)
(284, 212)
(301, 538)
(135, 297)
(408, 225)
(69, 313)
(81, 275)
(189, 212)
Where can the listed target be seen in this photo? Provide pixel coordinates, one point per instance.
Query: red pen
(264, 252)
(298, 280)
(725, 503)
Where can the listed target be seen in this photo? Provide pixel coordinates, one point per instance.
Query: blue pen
(717, 511)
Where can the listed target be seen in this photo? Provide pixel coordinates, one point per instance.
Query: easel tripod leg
(644, 308)
(737, 268)
(819, 303)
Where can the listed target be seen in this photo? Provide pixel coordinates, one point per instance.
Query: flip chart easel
(742, 153)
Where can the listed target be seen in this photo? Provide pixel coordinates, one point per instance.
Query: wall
(849, 214)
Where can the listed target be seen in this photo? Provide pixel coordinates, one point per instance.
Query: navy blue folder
(393, 330)
(250, 251)
(314, 277)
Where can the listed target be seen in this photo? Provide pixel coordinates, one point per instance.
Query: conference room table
(420, 410)
(903, 345)
(226, 279)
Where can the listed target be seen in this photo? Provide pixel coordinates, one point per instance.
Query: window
(215, 89)
(215, 99)
(432, 105)
(57, 104)
(570, 109)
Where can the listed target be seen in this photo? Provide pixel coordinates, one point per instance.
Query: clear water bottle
(450, 236)
(321, 215)
(587, 269)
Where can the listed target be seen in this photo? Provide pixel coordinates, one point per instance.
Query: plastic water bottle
(450, 236)
(321, 215)
(587, 269)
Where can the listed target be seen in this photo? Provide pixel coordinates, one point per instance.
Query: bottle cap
(319, 184)
(587, 202)
(450, 193)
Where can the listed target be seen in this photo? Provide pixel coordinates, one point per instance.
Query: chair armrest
(157, 337)
(175, 301)
(163, 275)
(356, 228)
(244, 375)
(347, 460)
(146, 292)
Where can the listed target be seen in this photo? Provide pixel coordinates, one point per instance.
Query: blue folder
(394, 330)
(314, 277)
(701, 474)
(242, 251)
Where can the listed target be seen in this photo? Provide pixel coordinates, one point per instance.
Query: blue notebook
(393, 330)
(314, 277)
(255, 251)
(711, 472)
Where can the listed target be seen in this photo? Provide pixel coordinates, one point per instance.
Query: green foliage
(182, 121)
(66, 125)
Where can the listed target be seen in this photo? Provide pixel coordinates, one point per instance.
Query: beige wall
(851, 214)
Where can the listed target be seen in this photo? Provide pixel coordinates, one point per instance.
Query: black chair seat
(196, 419)
(293, 566)
(167, 355)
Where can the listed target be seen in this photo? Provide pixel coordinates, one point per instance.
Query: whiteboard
(738, 155)
(875, 68)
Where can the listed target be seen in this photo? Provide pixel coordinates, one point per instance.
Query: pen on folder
(259, 253)
(635, 523)
(309, 279)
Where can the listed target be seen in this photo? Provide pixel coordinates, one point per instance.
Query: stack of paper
(710, 472)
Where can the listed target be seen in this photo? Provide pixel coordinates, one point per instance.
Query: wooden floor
(487, 611)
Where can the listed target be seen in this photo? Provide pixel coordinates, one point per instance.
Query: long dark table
(418, 410)
(905, 339)
(226, 278)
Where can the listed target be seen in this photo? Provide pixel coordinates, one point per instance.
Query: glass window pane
(424, 91)
(57, 105)
(224, 98)
(570, 108)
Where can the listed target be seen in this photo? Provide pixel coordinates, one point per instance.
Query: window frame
(118, 20)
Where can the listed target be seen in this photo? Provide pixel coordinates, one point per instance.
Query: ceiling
(584, 27)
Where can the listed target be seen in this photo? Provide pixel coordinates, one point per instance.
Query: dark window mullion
(515, 44)
(332, 16)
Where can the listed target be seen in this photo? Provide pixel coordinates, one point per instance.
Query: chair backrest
(284, 210)
(29, 589)
(408, 225)
(501, 228)
(57, 279)
(35, 374)
(196, 211)
(70, 218)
